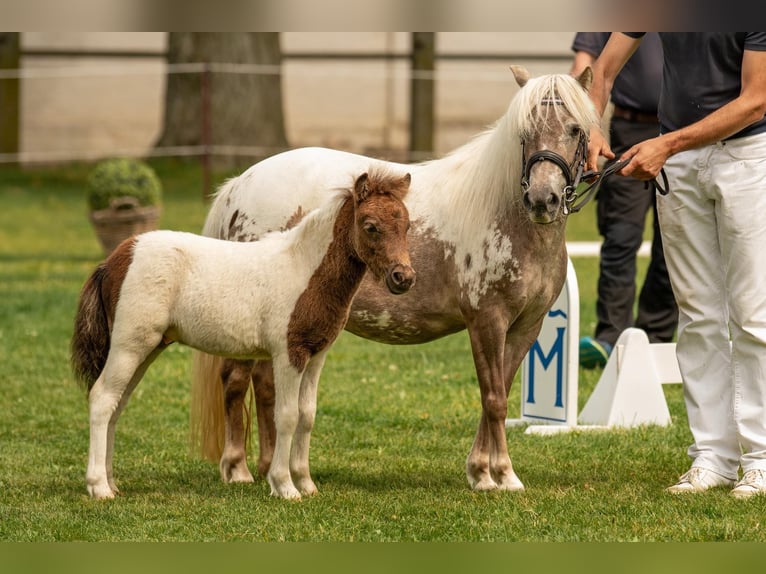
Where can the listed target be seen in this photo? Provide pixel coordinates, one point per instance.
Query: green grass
(394, 426)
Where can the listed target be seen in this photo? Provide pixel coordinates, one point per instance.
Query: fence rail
(288, 55)
(206, 149)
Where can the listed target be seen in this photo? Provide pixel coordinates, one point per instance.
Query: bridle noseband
(574, 173)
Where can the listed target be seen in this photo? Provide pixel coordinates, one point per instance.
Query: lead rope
(590, 191)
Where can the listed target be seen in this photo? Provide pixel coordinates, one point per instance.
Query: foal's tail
(90, 341)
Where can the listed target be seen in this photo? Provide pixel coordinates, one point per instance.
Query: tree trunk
(9, 93)
(245, 109)
(422, 96)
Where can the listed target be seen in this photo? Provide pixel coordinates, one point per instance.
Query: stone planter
(123, 218)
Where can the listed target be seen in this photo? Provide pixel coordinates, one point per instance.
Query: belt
(634, 115)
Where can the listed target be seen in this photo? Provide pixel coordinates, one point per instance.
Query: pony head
(381, 222)
(553, 118)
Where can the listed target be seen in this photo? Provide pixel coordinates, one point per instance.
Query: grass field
(394, 426)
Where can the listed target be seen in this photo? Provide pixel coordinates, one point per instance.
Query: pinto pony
(487, 239)
(284, 298)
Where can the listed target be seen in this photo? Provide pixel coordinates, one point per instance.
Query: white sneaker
(753, 482)
(699, 480)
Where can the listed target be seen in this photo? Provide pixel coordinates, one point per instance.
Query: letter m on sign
(557, 353)
(549, 371)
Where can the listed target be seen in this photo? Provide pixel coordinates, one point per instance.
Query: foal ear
(361, 187)
(401, 187)
(585, 79)
(521, 74)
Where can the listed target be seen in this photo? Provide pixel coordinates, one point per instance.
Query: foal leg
(263, 389)
(105, 399)
(137, 376)
(299, 458)
(287, 384)
(103, 403)
(236, 381)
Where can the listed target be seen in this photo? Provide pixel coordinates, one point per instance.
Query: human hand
(597, 146)
(646, 159)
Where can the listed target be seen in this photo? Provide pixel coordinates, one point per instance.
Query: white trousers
(713, 225)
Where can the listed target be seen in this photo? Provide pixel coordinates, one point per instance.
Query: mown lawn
(394, 426)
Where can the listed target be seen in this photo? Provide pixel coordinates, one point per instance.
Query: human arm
(617, 51)
(648, 157)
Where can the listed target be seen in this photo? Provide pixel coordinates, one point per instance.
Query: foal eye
(370, 228)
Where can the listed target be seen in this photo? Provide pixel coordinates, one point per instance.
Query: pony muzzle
(400, 278)
(542, 204)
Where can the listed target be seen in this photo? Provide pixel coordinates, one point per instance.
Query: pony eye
(370, 228)
(574, 131)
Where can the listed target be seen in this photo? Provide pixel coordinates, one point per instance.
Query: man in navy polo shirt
(713, 149)
(622, 205)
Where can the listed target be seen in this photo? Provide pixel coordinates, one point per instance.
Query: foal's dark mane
(322, 309)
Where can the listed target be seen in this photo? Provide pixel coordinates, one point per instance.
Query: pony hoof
(235, 473)
(515, 487)
(511, 484)
(307, 488)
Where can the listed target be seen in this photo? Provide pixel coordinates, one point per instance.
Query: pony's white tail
(213, 226)
(207, 410)
(207, 416)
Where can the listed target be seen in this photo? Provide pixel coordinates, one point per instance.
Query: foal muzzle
(400, 278)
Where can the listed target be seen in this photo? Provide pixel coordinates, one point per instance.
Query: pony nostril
(527, 202)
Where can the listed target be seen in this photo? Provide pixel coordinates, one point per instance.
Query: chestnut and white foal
(285, 297)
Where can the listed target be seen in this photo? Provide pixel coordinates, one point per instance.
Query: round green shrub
(122, 177)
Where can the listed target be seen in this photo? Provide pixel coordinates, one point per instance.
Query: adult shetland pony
(284, 298)
(487, 240)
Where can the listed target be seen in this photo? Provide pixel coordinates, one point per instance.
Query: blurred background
(237, 97)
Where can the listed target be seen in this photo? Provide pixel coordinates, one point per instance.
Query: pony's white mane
(481, 179)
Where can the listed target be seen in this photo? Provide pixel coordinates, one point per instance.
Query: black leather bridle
(573, 172)
(574, 198)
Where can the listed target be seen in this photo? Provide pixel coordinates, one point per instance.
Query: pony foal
(284, 298)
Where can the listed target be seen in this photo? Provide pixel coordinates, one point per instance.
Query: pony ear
(521, 74)
(361, 189)
(585, 79)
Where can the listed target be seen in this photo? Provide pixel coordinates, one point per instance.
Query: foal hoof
(284, 489)
(286, 493)
(484, 485)
(100, 492)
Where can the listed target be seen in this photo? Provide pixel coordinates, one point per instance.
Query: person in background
(622, 207)
(712, 146)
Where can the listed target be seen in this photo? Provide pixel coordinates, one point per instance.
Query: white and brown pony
(284, 298)
(487, 240)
